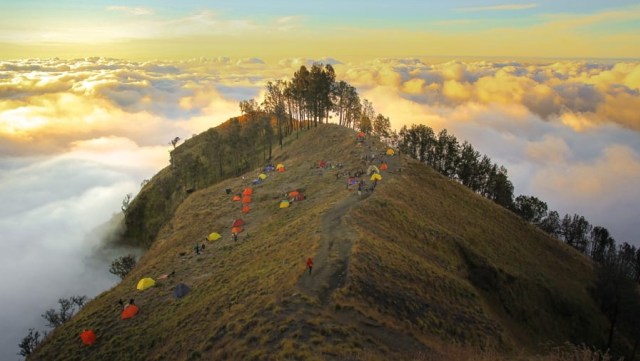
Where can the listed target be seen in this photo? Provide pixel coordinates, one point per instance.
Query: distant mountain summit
(406, 265)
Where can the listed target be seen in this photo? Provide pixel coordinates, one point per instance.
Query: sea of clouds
(77, 135)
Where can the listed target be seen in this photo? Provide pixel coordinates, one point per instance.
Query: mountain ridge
(404, 271)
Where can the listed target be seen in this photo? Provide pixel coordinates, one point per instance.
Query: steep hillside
(411, 270)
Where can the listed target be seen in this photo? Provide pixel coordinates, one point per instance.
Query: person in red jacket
(309, 264)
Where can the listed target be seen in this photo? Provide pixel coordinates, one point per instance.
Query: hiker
(234, 235)
(202, 247)
(197, 249)
(309, 264)
(121, 303)
(359, 189)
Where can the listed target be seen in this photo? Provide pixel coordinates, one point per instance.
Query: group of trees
(67, 308)
(460, 162)
(618, 265)
(311, 97)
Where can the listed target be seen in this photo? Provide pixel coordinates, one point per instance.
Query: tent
(238, 223)
(145, 283)
(360, 135)
(293, 194)
(181, 290)
(300, 197)
(280, 165)
(281, 169)
(246, 199)
(262, 176)
(214, 236)
(246, 209)
(384, 166)
(247, 192)
(376, 176)
(236, 198)
(322, 164)
(373, 169)
(284, 204)
(236, 230)
(129, 312)
(88, 337)
(390, 151)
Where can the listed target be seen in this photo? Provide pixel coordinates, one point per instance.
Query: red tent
(238, 223)
(245, 209)
(236, 230)
(247, 192)
(88, 337)
(383, 166)
(300, 197)
(236, 198)
(294, 194)
(129, 312)
(246, 199)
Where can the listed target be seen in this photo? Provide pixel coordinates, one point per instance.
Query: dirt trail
(331, 262)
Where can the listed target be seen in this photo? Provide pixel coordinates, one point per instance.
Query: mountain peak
(410, 265)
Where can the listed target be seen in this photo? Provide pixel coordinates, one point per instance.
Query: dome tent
(145, 283)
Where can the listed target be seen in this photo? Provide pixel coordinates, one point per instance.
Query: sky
(91, 93)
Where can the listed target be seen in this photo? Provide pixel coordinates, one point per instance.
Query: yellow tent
(390, 151)
(284, 204)
(145, 283)
(262, 176)
(280, 165)
(214, 236)
(376, 176)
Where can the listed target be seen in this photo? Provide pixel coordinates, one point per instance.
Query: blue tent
(181, 290)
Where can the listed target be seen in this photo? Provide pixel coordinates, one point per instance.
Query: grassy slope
(432, 264)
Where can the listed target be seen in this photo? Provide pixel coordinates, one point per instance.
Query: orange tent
(360, 135)
(294, 194)
(384, 166)
(88, 337)
(246, 199)
(236, 229)
(281, 169)
(238, 223)
(245, 209)
(236, 198)
(129, 312)
(247, 192)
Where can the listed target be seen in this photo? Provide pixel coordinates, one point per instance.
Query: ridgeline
(419, 268)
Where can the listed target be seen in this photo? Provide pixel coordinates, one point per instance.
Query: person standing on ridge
(309, 264)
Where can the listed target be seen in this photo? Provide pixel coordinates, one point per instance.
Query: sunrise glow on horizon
(351, 31)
